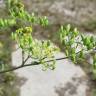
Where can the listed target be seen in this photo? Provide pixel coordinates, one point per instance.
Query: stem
(23, 63)
(23, 57)
(31, 64)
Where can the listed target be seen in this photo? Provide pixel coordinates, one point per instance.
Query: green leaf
(76, 32)
(73, 57)
(2, 23)
(71, 42)
(6, 22)
(89, 46)
(92, 39)
(14, 36)
(81, 54)
(61, 28)
(48, 43)
(68, 28)
(72, 50)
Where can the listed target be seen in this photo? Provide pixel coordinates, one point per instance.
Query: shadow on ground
(72, 87)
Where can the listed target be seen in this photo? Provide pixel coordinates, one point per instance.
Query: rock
(66, 80)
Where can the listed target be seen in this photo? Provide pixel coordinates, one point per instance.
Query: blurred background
(78, 13)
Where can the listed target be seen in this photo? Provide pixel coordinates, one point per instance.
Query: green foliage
(36, 49)
(75, 44)
(69, 37)
(6, 22)
(39, 50)
(88, 41)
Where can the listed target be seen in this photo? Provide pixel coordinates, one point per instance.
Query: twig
(31, 64)
(23, 57)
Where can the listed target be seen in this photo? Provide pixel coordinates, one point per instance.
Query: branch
(31, 64)
(24, 61)
(23, 57)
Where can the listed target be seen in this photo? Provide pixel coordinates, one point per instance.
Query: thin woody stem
(31, 64)
(23, 57)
